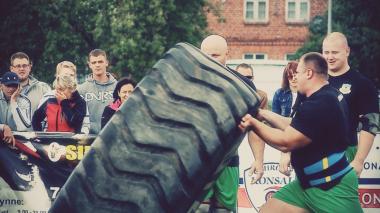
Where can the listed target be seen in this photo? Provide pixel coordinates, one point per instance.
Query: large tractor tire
(167, 143)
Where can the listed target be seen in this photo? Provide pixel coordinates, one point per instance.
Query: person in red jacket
(65, 111)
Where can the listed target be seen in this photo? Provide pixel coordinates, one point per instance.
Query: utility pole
(329, 17)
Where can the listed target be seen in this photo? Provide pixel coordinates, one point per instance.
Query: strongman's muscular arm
(369, 122)
(279, 122)
(284, 140)
(369, 128)
(275, 120)
(257, 143)
(257, 147)
(364, 146)
(284, 163)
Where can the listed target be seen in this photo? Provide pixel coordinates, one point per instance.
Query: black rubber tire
(168, 141)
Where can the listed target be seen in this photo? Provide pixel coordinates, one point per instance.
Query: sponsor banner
(33, 172)
(371, 168)
(369, 198)
(261, 191)
(272, 180)
(244, 201)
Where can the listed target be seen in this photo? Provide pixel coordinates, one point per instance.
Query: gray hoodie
(16, 115)
(97, 96)
(35, 90)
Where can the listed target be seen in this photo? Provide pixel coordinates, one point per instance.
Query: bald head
(336, 51)
(216, 47)
(336, 37)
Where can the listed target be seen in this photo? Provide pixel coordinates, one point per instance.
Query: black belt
(234, 162)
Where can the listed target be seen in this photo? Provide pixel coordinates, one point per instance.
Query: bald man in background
(216, 47)
(222, 197)
(360, 94)
(247, 71)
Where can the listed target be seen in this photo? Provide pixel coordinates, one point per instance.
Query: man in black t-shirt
(360, 95)
(317, 137)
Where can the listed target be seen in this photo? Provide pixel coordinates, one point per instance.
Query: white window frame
(254, 55)
(297, 18)
(255, 18)
(288, 54)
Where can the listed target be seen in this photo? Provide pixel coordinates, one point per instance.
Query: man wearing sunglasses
(247, 71)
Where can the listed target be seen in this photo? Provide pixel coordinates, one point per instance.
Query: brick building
(264, 29)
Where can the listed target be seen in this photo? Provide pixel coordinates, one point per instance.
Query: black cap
(10, 78)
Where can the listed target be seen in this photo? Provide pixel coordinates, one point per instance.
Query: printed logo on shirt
(340, 97)
(345, 89)
(100, 96)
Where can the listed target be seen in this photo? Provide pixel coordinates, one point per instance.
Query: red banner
(369, 198)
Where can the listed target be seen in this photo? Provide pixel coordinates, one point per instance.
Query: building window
(248, 56)
(260, 56)
(290, 56)
(256, 11)
(256, 56)
(297, 11)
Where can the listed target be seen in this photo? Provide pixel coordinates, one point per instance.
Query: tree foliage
(19, 30)
(358, 20)
(134, 33)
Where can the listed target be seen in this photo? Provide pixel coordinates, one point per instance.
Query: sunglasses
(250, 77)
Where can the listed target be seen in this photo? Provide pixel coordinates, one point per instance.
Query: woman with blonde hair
(66, 68)
(65, 111)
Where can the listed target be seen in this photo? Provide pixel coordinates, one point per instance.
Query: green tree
(19, 31)
(134, 33)
(358, 20)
